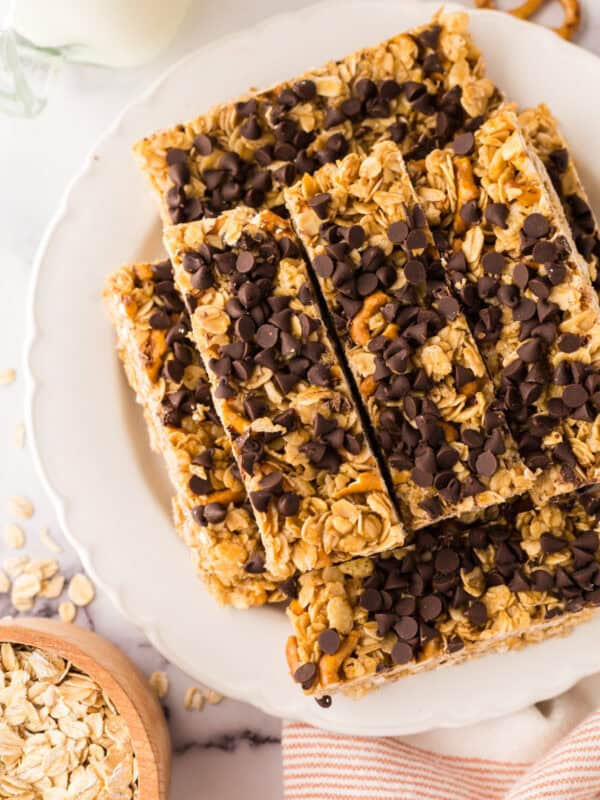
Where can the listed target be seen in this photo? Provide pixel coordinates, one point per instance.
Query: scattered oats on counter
(19, 435)
(14, 536)
(159, 682)
(20, 507)
(4, 582)
(212, 697)
(60, 735)
(81, 591)
(48, 542)
(7, 376)
(194, 699)
(67, 611)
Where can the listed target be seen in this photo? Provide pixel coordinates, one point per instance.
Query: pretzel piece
(571, 10)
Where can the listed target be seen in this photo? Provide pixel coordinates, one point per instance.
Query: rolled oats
(67, 611)
(225, 547)
(159, 682)
(60, 735)
(212, 697)
(194, 699)
(4, 582)
(7, 376)
(20, 507)
(14, 536)
(81, 592)
(280, 392)
(512, 574)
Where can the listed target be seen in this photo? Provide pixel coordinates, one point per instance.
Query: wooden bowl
(122, 681)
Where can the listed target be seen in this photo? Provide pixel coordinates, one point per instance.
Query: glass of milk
(38, 35)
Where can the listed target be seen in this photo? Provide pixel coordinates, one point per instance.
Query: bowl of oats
(77, 717)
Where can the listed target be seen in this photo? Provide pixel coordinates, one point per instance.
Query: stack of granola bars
(372, 359)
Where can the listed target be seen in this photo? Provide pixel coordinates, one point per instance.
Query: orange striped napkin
(324, 766)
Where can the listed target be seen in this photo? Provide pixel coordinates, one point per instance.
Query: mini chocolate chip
(486, 463)
(544, 252)
(415, 272)
(470, 213)
(215, 513)
(397, 232)
(288, 504)
(370, 600)
(493, 263)
(570, 342)
(323, 266)
(416, 240)
(306, 674)
(406, 628)
(497, 214)
(430, 607)
(159, 320)
(329, 641)
(574, 395)
(536, 226)
(320, 203)
(198, 485)
(477, 614)
(402, 653)
(463, 144)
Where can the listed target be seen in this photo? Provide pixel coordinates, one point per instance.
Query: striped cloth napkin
(549, 751)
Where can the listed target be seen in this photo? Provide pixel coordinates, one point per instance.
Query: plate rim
(60, 503)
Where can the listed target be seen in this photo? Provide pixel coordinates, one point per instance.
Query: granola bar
(163, 367)
(545, 135)
(409, 348)
(526, 293)
(316, 488)
(460, 590)
(416, 88)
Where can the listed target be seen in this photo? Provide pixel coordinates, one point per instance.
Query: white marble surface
(231, 750)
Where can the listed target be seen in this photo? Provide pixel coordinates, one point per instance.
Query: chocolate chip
(544, 252)
(159, 320)
(325, 701)
(397, 232)
(430, 607)
(486, 463)
(470, 213)
(531, 351)
(215, 513)
(570, 342)
(198, 485)
(463, 144)
(329, 641)
(574, 395)
(288, 504)
(306, 674)
(497, 214)
(406, 628)
(323, 266)
(416, 240)
(536, 226)
(477, 614)
(370, 600)
(493, 263)
(320, 203)
(447, 561)
(415, 272)
(402, 653)
(556, 273)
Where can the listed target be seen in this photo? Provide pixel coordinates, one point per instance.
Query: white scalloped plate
(110, 492)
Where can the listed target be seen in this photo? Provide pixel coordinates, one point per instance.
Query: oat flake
(81, 590)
